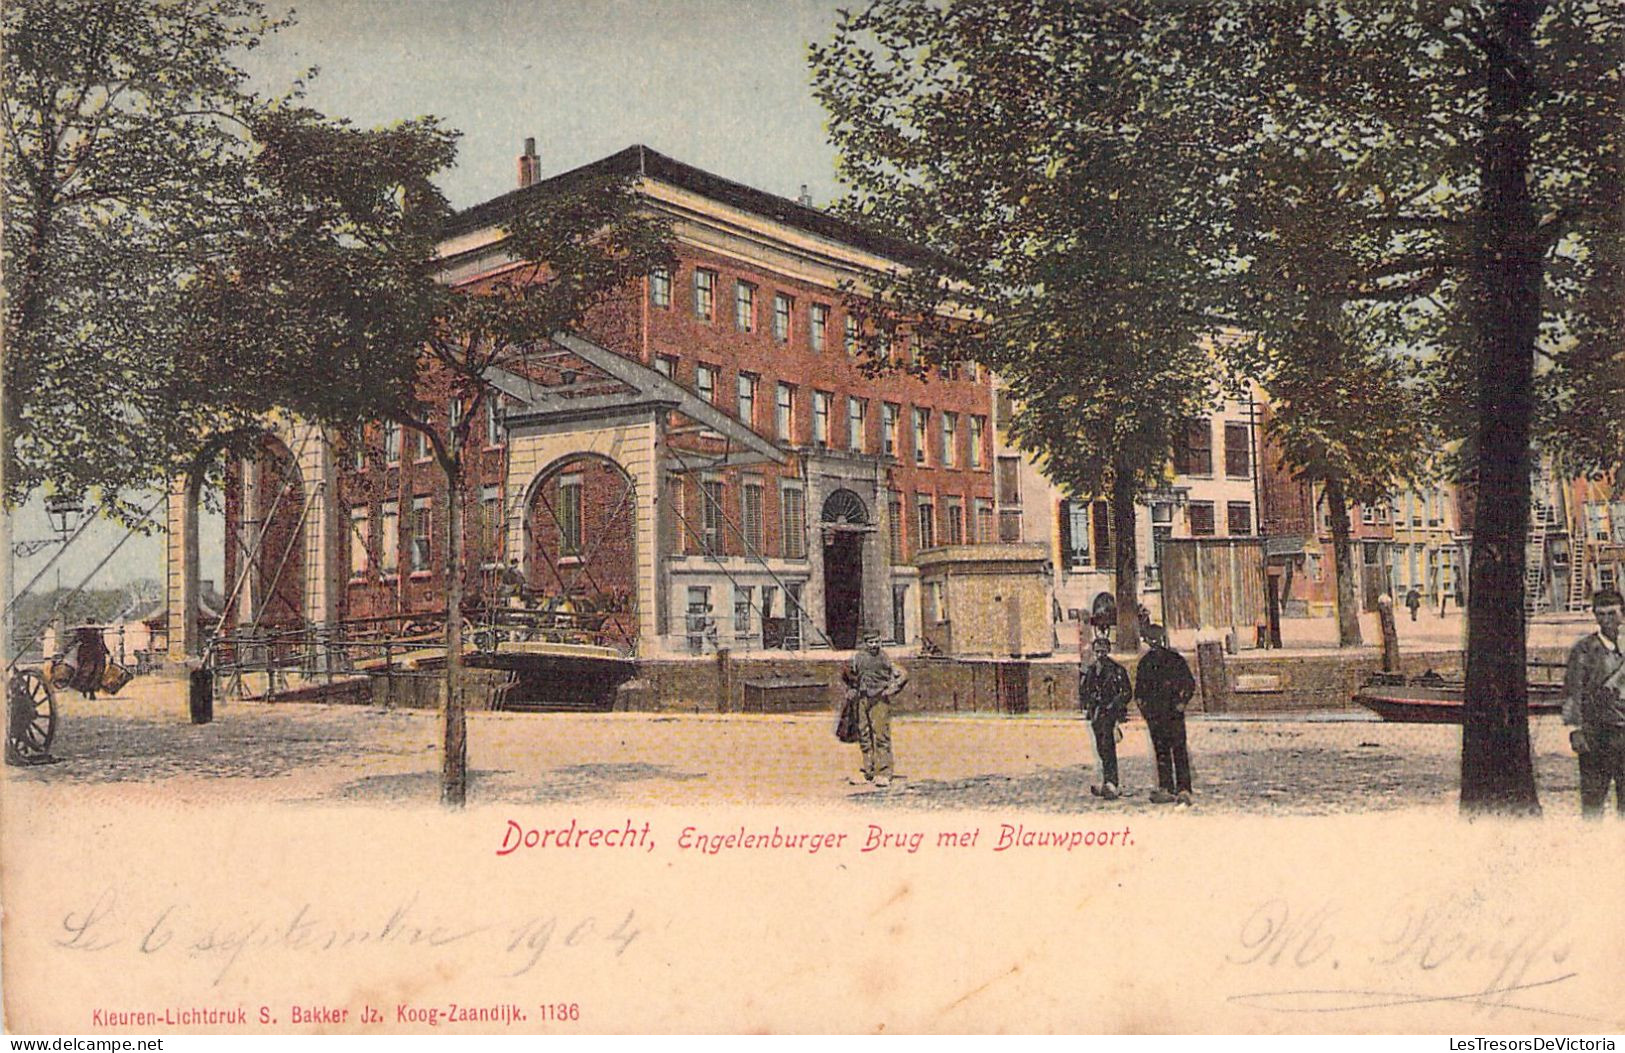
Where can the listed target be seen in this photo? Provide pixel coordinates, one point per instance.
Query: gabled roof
(642, 161)
(620, 384)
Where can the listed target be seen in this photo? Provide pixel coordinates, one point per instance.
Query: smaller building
(1211, 492)
(987, 600)
(1425, 555)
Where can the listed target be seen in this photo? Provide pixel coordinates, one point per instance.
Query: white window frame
(784, 412)
(422, 549)
(572, 515)
(389, 538)
(705, 294)
(784, 307)
(660, 287)
(360, 541)
(746, 388)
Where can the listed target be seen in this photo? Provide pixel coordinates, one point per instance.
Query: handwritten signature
(1426, 952)
(109, 924)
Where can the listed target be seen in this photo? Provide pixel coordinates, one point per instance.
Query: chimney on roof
(530, 166)
(804, 199)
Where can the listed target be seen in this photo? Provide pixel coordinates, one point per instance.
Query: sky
(724, 86)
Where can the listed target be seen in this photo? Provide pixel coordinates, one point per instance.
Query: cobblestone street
(141, 747)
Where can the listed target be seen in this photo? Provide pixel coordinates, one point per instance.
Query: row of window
(938, 520)
(415, 534)
(1426, 569)
(747, 303)
(957, 440)
(1600, 516)
(935, 520)
(392, 435)
(757, 611)
(1200, 515)
(1193, 449)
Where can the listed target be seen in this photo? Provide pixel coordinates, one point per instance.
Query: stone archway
(580, 545)
(276, 517)
(844, 522)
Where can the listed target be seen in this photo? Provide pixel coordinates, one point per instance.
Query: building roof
(642, 161)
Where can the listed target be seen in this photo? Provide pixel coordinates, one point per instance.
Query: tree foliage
(126, 137)
(347, 308)
(1041, 150)
(1448, 175)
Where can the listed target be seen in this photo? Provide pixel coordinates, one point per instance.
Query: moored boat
(1434, 699)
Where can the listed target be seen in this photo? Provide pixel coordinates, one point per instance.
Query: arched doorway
(580, 547)
(277, 521)
(844, 521)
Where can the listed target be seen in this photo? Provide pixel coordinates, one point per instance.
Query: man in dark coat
(1594, 705)
(1103, 694)
(1164, 685)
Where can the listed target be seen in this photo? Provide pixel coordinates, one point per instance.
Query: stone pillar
(644, 470)
(876, 603)
(664, 538)
(1213, 677)
(181, 574)
(318, 475)
(248, 533)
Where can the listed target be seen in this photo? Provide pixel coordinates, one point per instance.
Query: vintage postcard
(932, 516)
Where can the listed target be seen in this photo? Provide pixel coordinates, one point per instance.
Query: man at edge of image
(1594, 706)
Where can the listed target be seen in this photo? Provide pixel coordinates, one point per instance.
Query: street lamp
(64, 512)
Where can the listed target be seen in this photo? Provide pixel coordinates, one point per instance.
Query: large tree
(1466, 158)
(1039, 148)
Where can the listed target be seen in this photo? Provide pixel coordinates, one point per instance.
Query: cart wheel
(30, 716)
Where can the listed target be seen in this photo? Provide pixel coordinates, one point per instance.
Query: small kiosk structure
(986, 601)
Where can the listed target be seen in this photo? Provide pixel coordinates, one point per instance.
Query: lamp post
(64, 512)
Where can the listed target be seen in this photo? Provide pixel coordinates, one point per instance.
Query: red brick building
(729, 477)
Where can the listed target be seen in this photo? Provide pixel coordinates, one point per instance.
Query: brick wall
(688, 341)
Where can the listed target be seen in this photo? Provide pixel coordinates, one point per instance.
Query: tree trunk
(1348, 606)
(1497, 773)
(23, 353)
(454, 740)
(1126, 557)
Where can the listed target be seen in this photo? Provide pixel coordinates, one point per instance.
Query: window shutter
(1066, 534)
(1105, 536)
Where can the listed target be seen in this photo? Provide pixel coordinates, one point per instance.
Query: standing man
(874, 678)
(1413, 600)
(1594, 706)
(1164, 686)
(1103, 694)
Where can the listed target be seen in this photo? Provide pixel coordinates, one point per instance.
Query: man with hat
(875, 680)
(1164, 686)
(1103, 694)
(1594, 705)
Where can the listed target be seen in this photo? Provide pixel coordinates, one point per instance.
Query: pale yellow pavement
(141, 748)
